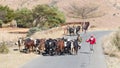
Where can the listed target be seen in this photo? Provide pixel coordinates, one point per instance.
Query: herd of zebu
(50, 46)
(59, 46)
(75, 30)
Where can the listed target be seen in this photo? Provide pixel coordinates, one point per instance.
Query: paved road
(84, 59)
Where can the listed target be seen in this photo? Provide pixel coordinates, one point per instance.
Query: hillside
(111, 8)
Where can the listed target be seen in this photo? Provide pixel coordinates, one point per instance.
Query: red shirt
(91, 40)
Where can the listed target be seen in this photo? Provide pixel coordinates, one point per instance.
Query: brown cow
(60, 47)
(85, 26)
(41, 46)
(29, 44)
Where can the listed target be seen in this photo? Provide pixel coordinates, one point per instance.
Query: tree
(24, 18)
(46, 16)
(85, 11)
(6, 14)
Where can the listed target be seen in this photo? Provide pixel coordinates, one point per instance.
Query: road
(84, 59)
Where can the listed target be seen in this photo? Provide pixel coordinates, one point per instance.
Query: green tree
(24, 18)
(6, 14)
(46, 16)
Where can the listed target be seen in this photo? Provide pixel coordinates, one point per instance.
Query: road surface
(84, 59)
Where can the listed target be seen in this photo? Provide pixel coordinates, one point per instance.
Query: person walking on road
(91, 41)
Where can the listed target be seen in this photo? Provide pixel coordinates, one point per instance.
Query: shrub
(6, 14)
(116, 39)
(32, 31)
(3, 48)
(24, 18)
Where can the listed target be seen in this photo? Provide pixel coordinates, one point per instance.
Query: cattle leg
(72, 51)
(19, 47)
(76, 50)
(82, 29)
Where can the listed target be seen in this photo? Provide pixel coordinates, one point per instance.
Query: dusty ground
(15, 59)
(113, 62)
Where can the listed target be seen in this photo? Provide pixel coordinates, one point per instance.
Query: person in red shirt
(92, 41)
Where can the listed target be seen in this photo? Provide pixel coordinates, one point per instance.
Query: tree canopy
(42, 16)
(47, 16)
(6, 14)
(24, 17)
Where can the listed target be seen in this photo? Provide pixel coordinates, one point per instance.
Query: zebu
(77, 30)
(20, 42)
(50, 46)
(74, 47)
(85, 26)
(67, 48)
(71, 31)
(39, 45)
(29, 44)
(60, 47)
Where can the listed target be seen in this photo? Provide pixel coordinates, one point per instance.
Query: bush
(24, 18)
(32, 31)
(3, 48)
(116, 39)
(6, 14)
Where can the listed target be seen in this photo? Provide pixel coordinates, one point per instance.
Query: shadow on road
(86, 52)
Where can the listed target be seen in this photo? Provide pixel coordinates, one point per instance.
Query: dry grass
(52, 33)
(111, 51)
(15, 59)
(6, 36)
(113, 62)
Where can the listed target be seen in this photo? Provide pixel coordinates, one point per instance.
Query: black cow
(50, 46)
(71, 31)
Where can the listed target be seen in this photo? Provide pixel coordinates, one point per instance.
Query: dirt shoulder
(14, 29)
(15, 59)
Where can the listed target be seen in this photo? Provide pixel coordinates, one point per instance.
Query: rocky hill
(111, 8)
